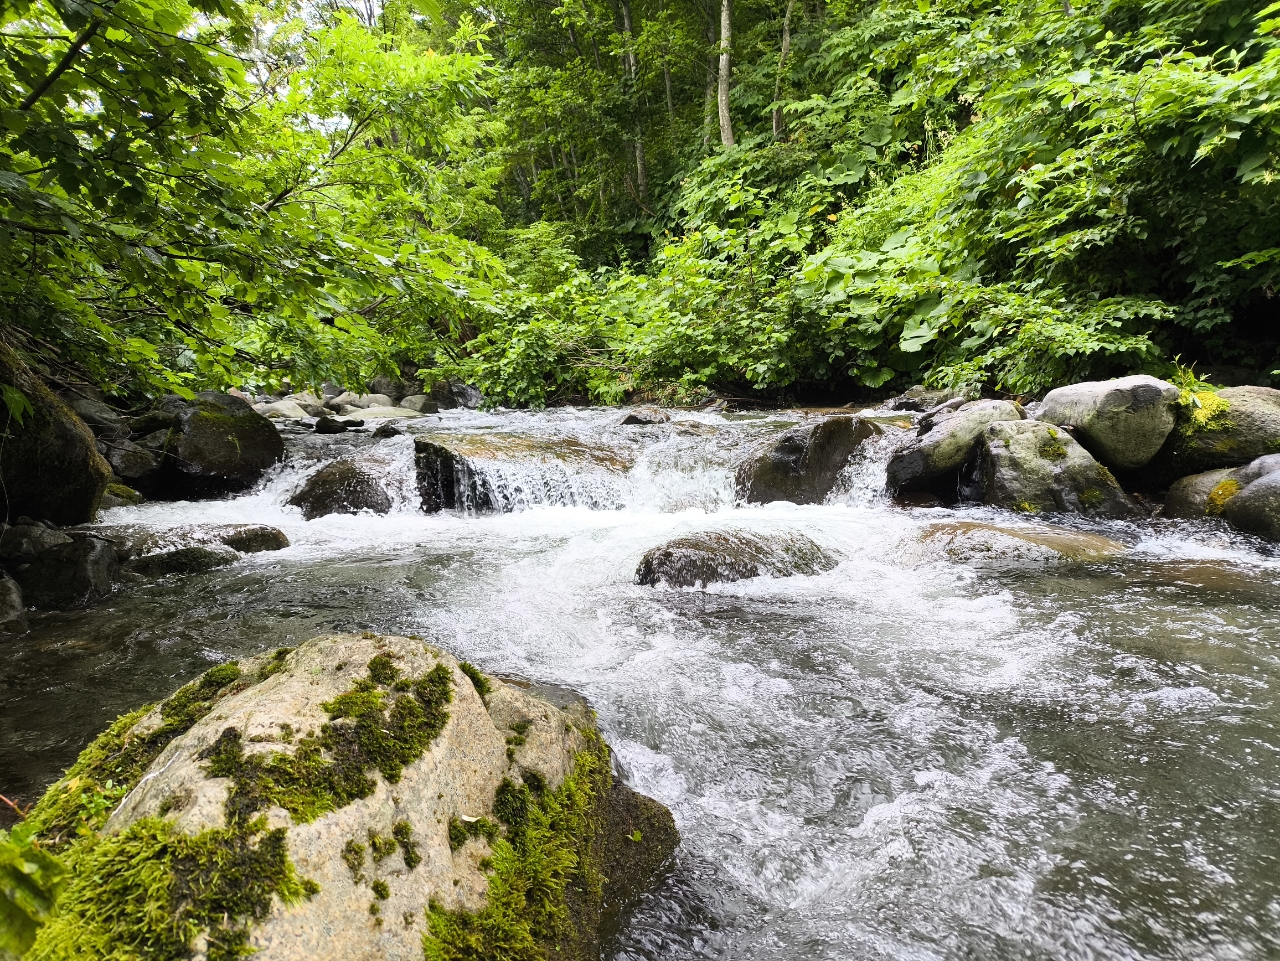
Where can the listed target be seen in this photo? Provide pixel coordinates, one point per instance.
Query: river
(907, 757)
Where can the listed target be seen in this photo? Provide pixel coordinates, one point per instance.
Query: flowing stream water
(909, 756)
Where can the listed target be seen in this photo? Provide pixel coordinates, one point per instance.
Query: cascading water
(915, 755)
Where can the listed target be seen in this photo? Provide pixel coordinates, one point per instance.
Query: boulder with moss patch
(355, 798)
(343, 487)
(1207, 494)
(944, 439)
(1036, 468)
(218, 445)
(721, 556)
(803, 464)
(1228, 428)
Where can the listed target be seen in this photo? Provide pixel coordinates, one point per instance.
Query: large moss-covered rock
(1123, 422)
(802, 464)
(943, 441)
(219, 445)
(342, 487)
(721, 556)
(1035, 467)
(49, 465)
(358, 799)
(1229, 428)
(1256, 509)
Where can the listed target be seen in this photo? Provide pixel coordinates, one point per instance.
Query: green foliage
(30, 882)
(550, 846)
(151, 890)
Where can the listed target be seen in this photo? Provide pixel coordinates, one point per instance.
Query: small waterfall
(862, 482)
(513, 485)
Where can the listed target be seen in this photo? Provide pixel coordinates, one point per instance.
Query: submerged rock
(944, 439)
(13, 613)
(183, 560)
(1033, 467)
(342, 487)
(802, 464)
(219, 446)
(1227, 429)
(644, 415)
(971, 541)
(69, 575)
(1123, 422)
(136, 541)
(357, 799)
(51, 468)
(722, 556)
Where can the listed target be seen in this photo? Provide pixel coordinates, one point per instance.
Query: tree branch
(63, 65)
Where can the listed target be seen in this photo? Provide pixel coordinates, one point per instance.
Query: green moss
(275, 664)
(151, 891)
(381, 846)
(1091, 497)
(382, 670)
(551, 854)
(331, 769)
(353, 857)
(124, 493)
(1219, 496)
(380, 890)
(1026, 507)
(1202, 411)
(478, 680)
(82, 800)
(1053, 451)
(460, 831)
(402, 831)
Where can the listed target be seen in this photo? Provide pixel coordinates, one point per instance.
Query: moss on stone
(381, 890)
(381, 846)
(1091, 497)
(478, 680)
(275, 663)
(461, 831)
(123, 492)
(329, 770)
(402, 831)
(1202, 411)
(551, 857)
(82, 800)
(1219, 496)
(353, 857)
(151, 891)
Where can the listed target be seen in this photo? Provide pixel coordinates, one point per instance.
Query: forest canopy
(594, 200)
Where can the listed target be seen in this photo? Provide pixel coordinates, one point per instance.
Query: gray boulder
(421, 403)
(51, 468)
(722, 556)
(356, 799)
(13, 613)
(89, 406)
(921, 398)
(219, 446)
(183, 560)
(973, 542)
(132, 463)
(330, 425)
(69, 575)
(1034, 467)
(1122, 422)
(644, 415)
(802, 464)
(1227, 429)
(453, 393)
(24, 542)
(944, 439)
(1256, 509)
(1201, 495)
(342, 487)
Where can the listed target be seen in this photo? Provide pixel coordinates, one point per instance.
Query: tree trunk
(709, 95)
(666, 76)
(779, 124)
(722, 88)
(631, 69)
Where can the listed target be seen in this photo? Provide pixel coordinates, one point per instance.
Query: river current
(907, 757)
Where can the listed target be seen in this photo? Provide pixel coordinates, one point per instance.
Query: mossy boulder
(182, 560)
(803, 464)
(49, 465)
(1122, 422)
(357, 798)
(1228, 428)
(1207, 494)
(219, 445)
(133, 541)
(1256, 509)
(723, 556)
(1036, 468)
(343, 487)
(944, 439)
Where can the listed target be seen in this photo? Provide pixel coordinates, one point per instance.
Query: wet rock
(921, 398)
(342, 487)
(220, 446)
(453, 393)
(944, 439)
(184, 560)
(329, 425)
(1227, 429)
(1206, 494)
(24, 542)
(1122, 422)
(441, 476)
(803, 464)
(644, 415)
(723, 556)
(69, 575)
(283, 408)
(94, 411)
(368, 780)
(132, 463)
(420, 403)
(1034, 467)
(154, 421)
(251, 538)
(13, 613)
(362, 414)
(120, 495)
(1256, 508)
(51, 467)
(133, 541)
(974, 542)
(383, 431)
